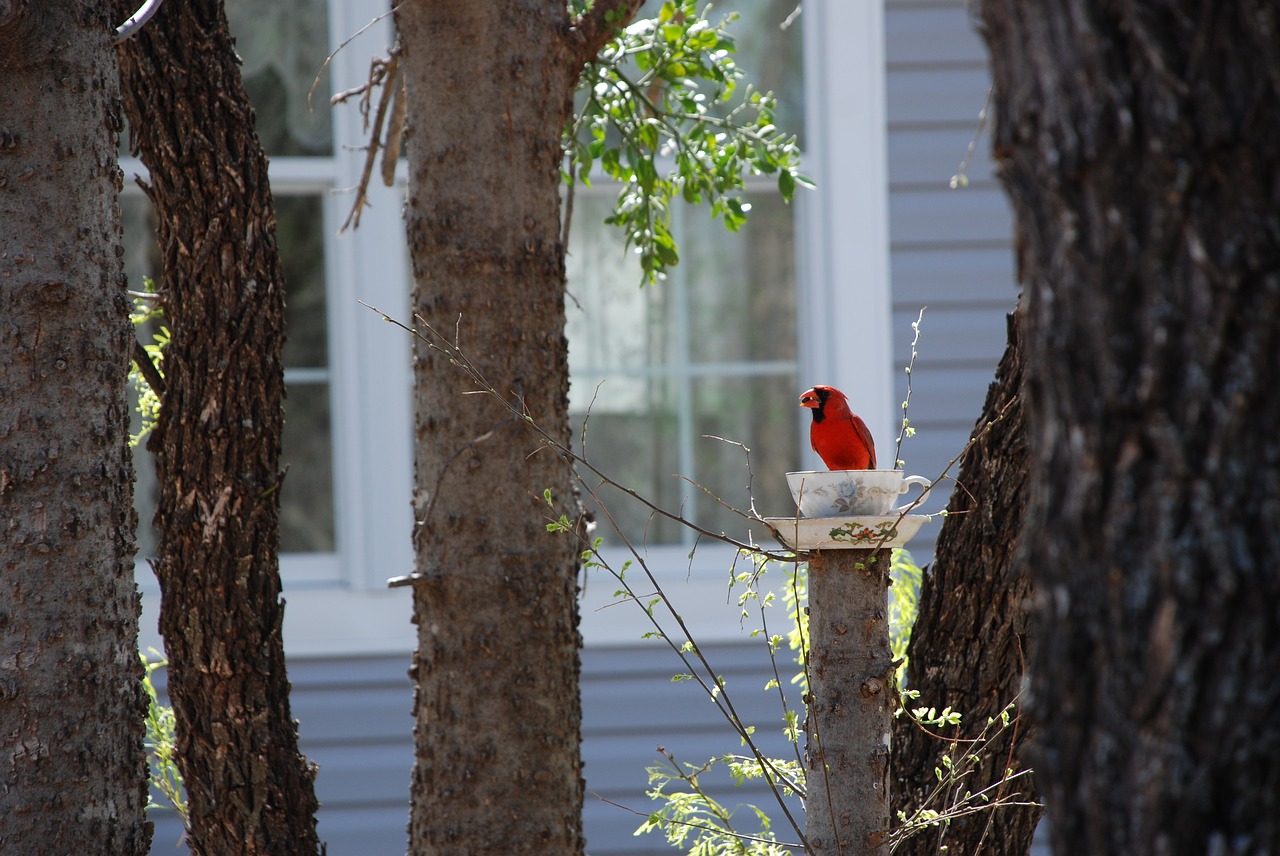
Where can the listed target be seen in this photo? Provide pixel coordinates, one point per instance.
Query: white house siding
(950, 250)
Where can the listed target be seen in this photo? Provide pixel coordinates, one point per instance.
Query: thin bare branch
(961, 178)
(906, 402)
(395, 132)
(148, 369)
(385, 73)
(791, 18)
(351, 38)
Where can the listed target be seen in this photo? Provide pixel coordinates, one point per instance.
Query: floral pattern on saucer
(855, 533)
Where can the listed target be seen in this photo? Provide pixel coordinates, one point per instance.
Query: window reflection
(300, 235)
(283, 47)
(306, 499)
(710, 351)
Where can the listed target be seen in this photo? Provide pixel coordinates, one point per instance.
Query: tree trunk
(850, 703)
(217, 439)
(497, 767)
(71, 701)
(1141, 146)
(968, 647)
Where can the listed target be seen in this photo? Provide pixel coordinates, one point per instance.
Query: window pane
(306, 500)
(749, 312)
(760, 412)
(631, 435)
(306, 515)
(709, 351)
(613, 323)
(283, 47)
(300, 235)
(772, 56)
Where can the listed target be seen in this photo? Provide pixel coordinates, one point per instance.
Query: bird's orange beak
(809, 399)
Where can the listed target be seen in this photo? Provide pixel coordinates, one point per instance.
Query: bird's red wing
(843, 443)
(864, 434)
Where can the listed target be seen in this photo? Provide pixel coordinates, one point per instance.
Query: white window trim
(844, 319)
(845, 306)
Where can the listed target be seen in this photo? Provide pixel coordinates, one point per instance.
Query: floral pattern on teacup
(852, 498)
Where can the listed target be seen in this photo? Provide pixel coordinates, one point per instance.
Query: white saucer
(846, 533)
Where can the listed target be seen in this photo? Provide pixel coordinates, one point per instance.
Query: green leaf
(646, 174)
(666, 250)
(669, 86)
(786, 184)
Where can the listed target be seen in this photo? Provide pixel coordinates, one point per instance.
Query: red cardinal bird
(838, 435)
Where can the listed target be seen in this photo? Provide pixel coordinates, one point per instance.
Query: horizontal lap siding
(631, 706)
(355, 723)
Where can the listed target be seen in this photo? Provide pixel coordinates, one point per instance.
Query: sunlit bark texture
(1140, 143)
(73, 774)
(217, 440)
(849, 706)
(497, 766)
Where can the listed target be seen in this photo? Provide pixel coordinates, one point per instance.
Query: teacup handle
(918, 501)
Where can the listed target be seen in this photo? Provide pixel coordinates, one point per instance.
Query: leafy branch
(145, 370)
(954, 796)
(161, 743)
(690, 812)
(660, 116)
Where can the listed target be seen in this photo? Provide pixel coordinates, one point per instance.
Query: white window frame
(338, 604)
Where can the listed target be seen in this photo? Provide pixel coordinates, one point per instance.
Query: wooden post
(849, 702)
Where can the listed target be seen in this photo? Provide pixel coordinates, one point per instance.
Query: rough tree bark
(849, 703)
(1140, 143)
(489, 88)
(74, 772)
(968, 648)
(217, 439)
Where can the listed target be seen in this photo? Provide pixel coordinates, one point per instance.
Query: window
(710, 352)
(722, 348)
(657, 372)
(836, 331)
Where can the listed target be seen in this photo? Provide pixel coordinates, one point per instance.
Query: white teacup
(853, 493)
